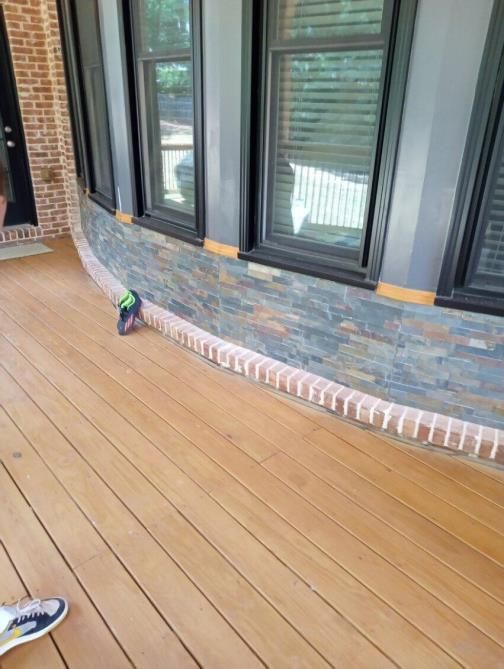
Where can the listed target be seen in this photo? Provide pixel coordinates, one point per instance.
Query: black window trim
(80, 121)
(73, 99)
(481, 135)
(252, 248)
(155, 221)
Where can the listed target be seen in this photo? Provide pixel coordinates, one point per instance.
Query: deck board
(476, 535)
(44, 571)
(98, 569)
(326, 628)
(420, 472)
(242, 524)
(47, 656)
(107, 501)
(443, 583)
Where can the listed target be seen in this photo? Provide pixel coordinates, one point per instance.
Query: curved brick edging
(396, 419)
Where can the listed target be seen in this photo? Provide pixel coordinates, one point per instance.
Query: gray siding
(447, 50)
(222, 35)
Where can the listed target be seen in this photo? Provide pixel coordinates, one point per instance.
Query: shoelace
(31, 609)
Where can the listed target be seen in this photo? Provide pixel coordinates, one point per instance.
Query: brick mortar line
(15, 236)
(439, 430)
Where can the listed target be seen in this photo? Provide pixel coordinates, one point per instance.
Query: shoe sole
(123, 327)
(37, 635)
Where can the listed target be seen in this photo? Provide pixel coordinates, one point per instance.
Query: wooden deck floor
(195, 519)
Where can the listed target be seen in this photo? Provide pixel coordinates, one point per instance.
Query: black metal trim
(253, 153)
(305, 264)
(77, 147)
(402, 30)
(74, 66)
(71, 67)
(130, 66)
(198, 120)
(103, 202)
(251, 23)
(167, 228)
(470, 302)
(451, 290)
(169, 225)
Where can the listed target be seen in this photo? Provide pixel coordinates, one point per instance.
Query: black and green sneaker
(129, 306)
(20, 624)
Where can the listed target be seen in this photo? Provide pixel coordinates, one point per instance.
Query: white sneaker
(20, 624)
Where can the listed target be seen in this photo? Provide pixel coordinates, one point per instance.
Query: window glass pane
(489, 252)
(89, 40)
(304, 19)
(98, 130)
(94, 96)
(175, 178)
(327, 117)
(165, 69)
(163, 26)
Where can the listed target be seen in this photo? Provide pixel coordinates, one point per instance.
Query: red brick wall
(32, 27)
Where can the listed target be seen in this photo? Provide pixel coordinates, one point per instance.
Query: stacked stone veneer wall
(438, 360)
(34, 38)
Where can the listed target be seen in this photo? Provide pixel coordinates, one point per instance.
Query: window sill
(168, 229)
(102, 202)
(309, 266)
(482, 304)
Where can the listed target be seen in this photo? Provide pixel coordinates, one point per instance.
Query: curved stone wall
(437, 360)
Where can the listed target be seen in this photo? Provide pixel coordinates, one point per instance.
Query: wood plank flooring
(193, 518)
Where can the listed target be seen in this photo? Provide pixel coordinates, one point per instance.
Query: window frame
(169, 224)
(80, 118)
(306, 259)
(73, 98)
(467, 224)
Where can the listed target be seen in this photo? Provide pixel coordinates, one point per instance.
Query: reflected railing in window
(178, 173)
(325, 114)
(318, 191)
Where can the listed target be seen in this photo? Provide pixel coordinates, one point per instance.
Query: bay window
(331, 77)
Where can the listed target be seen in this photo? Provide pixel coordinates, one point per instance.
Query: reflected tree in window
(164, 53)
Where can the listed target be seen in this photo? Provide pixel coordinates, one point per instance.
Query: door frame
(10, 77)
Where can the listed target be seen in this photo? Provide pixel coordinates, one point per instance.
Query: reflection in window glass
(164, 55)
(175, 111)
(326, 64)
(163, 25)
(299, 19)
(95, 96)
(327, 115)
(488, 251)
(98, 129)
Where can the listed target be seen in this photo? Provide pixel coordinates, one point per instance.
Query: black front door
(13, 157)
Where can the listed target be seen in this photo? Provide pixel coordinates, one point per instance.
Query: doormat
(23, 250)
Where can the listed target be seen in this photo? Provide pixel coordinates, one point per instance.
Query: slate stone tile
(433, 358)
